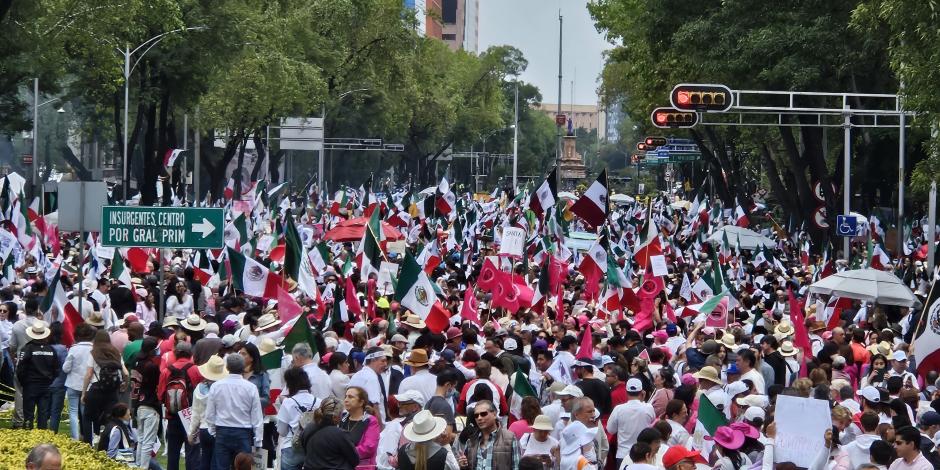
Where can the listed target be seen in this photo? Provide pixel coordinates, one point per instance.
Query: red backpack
(179, 390)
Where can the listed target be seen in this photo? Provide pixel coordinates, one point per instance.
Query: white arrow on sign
(205, 227)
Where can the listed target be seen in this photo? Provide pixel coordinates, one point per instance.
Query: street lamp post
(37, 185)
(128, 68)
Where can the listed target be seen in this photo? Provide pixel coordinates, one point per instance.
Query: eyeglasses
(482, 414)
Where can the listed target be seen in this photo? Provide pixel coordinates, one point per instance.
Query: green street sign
(162, 227)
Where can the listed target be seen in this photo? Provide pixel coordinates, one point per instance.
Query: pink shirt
(520, 428)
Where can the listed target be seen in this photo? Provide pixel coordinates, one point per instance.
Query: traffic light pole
(878, 111)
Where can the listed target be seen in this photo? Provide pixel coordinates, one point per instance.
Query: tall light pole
(37, 189)
(128, 68)
(515, 143)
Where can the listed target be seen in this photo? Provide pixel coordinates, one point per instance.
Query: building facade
(427, 17)
(461, 24)
(587, 116)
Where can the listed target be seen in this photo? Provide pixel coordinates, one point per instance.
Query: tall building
(615, 116)
(427, 17)
(461, 24)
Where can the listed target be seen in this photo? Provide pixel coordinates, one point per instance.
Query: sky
(532, 27)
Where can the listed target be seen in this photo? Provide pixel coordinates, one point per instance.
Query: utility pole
(515, 142)
(559, 126)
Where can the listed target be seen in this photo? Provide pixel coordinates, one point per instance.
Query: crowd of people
(563, 381)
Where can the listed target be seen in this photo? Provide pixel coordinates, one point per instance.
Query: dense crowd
(621, 368)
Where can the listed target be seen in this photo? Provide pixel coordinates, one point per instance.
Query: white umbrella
(567, 196)
(868, 284)
(622, 199)
(429, 191)
(681, 205)
(748, 239)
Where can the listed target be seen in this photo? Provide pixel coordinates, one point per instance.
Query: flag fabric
(833, 311)
(740, 217)
(593, 205)
(927, 335)
(252, 277)
(300, 332)
(545, 196)
(586, 349)
(119, 270)
(65, 312)
(416, 293)
(469, 310)
(800, 335)
(520, 388)
(715, 310)
(710, 416)
(169, 158)
(444, 201)
(372, 255)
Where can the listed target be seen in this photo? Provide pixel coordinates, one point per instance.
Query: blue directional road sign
(846, 225)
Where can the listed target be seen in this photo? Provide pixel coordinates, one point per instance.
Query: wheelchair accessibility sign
(846, 225)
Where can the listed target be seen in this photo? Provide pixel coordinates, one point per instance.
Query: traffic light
(642, 147)
(637, 158)
(655, 142)
(709, 98)
(666, 118)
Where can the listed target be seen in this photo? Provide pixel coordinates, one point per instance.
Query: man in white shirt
(899, 368)
(233, 413)
(320, 382)
(421, 379)
(746, 362)
(628, 419)
(372, 379)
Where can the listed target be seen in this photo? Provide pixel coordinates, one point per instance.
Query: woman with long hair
(664, 384)
(877, 372)
(255, 373)
(727, 453)
(180, 303)
(530, 409)
(118, 438)
(361, 425)
(146, 306)
(295, 404)
(105, 377)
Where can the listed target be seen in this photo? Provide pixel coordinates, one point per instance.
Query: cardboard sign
(384, 282)
(658, 263)
(513, 241)
(186, 418)
(801, 427)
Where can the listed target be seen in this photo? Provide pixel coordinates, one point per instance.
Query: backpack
(306, 419)
(136, 380)
(109, 376)
(179, 391)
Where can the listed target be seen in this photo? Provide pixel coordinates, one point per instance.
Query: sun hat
(417, 358)
(214, 369)
(787, 349)
(709, 347)
(410, 396)
(129, 318)
(424, 427)
(38, 330)
(268, 320)
(727, 437)
(267, 345)
(677, 453)
(746, 429)
(575, 436)
(193, 323)
(95, 319)
(414, 321)
(398, 338)
(727, 340)
(783, 330)
(170, 320)
(708, 373)
(542, 423)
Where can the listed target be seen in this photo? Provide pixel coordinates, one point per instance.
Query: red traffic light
(705, 97)
(670, 118)
(654, 142)
(642, 147)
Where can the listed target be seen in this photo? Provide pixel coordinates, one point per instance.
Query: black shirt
(598, 391)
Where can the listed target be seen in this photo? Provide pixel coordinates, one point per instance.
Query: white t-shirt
(288, 416)
(755, 376)
(626, 421)
(532, 446)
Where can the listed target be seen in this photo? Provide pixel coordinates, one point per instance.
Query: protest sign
(513, 241)
(801, 427)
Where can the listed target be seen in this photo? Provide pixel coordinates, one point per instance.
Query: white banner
(513, 241)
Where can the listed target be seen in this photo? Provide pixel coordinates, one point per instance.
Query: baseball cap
(413, 396)
(754, 412)
(899, 356)
(930, 418)
(634, 385)
(571, 391)
(396, 338)
(870, 393)
(671, 328)
(605, 359)
(676, 454)
(510, 344)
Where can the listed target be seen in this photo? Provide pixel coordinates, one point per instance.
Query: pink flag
(287, 307)
(800, 336)
(352, 301)
(469, 309)
(586, 351)
(370, 298)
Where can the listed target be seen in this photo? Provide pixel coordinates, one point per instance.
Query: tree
(746, 44)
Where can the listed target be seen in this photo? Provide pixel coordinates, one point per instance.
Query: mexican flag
(520, 388)
(372, 254)
(320, 257)
(715, 310)
(66, 312)
(416, 293)
(710, 417)
(119, 270)
(252, 277)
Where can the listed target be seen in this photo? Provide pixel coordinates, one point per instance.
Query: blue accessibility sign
(846, 225)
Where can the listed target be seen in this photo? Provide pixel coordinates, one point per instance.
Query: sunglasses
(482, 414)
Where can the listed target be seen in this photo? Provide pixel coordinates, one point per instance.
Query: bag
(137, 379)
(179, 393)
(306, 418)
(109, 377)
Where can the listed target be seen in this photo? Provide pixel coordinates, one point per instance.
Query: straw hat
(727, 340)
(169, 321)
(708, 373)
(266, 346)
(883, 348)
(193, 323)
(783, 330)
(39, 330)
(542, 423)
(787, 349)
(413, 321)
(214, 369)
(95, 319)
(424, 427)
(417, 358)
(268, 320)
